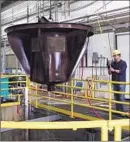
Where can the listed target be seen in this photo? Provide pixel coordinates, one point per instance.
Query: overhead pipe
(76, 18)
(56, 10)
(27, 12)
(87, 16)
(69, 8)
(31, 14)
(102, 17)
(43, 7)
(118, 26)
(117, 18)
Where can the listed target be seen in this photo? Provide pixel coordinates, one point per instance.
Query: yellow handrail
(18, 96)
(72, 102)
(81, 101)
(104, 125)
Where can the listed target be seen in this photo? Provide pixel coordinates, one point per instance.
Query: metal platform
(84, 112)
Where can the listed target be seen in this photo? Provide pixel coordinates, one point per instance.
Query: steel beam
(95, 14)
(30, 15)
(117, 26)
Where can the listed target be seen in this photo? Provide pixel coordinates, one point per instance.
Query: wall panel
(12, 62)
(123, 44)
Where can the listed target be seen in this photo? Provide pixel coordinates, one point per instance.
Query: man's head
(116, 55)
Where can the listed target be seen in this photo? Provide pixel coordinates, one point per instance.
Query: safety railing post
(19, 99)
(72, 98)
(117, 133)
(110, 101)
(104, 133)
(86, 86)
(93, 87)
(29, 90)
(26, 104)
(29, 99)
(26, 98)
(36, 103)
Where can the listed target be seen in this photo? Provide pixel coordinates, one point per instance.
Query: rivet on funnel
(49, 52)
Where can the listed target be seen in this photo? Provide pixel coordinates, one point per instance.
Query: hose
(92, 109)
(89, 101)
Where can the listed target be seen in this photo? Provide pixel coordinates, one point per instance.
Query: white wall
(98, 43)
(101, 43)
(123, 45)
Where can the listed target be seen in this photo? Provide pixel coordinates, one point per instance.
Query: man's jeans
(119, 97)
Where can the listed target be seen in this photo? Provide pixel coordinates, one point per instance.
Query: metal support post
(4, 58)
(19, 99)
(26, 99)
(27, 12)
(104, 133)
(93, 87)
(36, 95)
(117, 133)
(68, 8)
(29, 96)
(43, 8)
(26, 106)
(110, 99)
(72, 99)
(86, 86)
(56, 10)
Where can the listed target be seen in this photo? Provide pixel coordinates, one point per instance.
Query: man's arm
(109, 71)
(123, 68)
(109, 66)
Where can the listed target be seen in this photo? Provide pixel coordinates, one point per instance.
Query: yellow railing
(15, 103)
(12, 95)
(104, 125)
(69, 97)
(38, 98)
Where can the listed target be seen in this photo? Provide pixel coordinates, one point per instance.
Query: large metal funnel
(49, 52)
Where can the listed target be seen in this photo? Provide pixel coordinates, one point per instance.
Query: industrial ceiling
(5, 3)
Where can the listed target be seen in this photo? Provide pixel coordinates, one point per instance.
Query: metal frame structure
(105, 125)
(72, 95)
(18, 96)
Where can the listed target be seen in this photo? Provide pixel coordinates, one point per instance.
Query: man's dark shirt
(121, 65)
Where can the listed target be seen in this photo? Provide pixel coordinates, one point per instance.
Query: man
(118, 71)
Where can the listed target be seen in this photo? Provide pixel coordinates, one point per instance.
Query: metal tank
(49, 52)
